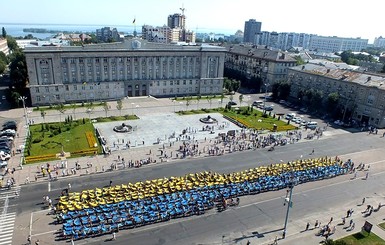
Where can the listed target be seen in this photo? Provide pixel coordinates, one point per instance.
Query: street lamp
(137, 106)
(23, 98)
(264, 100)
(132, 108)
(289, 202)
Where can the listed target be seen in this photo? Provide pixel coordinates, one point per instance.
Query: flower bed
(40, 158)
(91, 139)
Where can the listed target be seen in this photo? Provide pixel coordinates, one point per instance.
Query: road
(261, 213)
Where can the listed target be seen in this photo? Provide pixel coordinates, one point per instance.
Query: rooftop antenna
(184, 20)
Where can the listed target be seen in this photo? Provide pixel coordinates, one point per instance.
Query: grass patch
(362, 238)
(251, 118)
(201, 98)
(69, 106)
(116, 118)
(47, 140)
(382, 226)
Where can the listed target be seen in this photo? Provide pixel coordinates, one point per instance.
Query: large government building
(362, 95)
(112, 71)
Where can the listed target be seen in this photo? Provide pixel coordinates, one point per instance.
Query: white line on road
(49, 186)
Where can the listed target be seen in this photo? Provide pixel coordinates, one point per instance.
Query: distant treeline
(43, 30)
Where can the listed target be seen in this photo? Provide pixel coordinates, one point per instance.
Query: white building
(112, 71)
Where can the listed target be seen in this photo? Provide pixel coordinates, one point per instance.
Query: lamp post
(264, 100)
(289, 202)
(132, 108)
(23, 98)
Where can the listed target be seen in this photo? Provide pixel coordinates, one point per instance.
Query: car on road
(268, 108)
(290, 116)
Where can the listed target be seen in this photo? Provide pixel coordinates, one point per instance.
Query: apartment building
(361, 95)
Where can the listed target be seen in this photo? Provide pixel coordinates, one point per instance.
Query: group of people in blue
(196, 194)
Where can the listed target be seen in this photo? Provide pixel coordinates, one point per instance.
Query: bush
(37, 140)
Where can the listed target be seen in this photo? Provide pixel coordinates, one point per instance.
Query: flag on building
(133, 22)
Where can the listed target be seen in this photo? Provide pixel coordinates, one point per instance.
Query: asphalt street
(257, 216)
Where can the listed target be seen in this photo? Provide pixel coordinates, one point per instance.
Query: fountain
(124, 128)
(208, 120)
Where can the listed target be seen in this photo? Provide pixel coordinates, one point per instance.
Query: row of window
(113, 60)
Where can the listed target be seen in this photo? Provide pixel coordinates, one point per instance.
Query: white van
(312, 125)
(290, 116)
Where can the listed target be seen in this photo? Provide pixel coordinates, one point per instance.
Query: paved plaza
(164, 129)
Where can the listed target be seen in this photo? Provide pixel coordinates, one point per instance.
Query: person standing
(113, 235)
(307, 226)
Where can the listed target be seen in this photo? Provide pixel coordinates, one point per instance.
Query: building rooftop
(126, 45)
(260, 51)
(364, 79)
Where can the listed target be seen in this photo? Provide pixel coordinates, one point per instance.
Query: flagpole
(134, 22)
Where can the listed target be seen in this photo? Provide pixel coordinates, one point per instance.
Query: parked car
(3, 164)
(258, 103)
(268, 108)
(4, 156)
(10, 125)
(290, 116)
(231, 103)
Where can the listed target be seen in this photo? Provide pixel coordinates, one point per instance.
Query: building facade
(115, 70)
(337, 44)
(252, 28)
(165, 34)
(107, 34)
(4, 46)
(361, 95)
(257, 61)
(379, 42)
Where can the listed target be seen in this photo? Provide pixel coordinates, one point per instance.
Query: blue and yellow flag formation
(101, 211)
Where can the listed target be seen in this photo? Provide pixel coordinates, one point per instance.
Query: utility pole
(289, 203)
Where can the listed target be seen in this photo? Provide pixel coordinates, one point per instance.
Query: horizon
(331, 18)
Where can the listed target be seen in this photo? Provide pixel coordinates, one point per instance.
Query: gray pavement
(170, 124)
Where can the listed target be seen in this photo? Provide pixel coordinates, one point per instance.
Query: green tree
(188, 102)
(209, 99)
(61, 109)
(89, 109)
(2, 66)
(106, 107)
(73, 107)
(299, 60)
(119, 106)
(3, 32)
(199, 97)
(240, 99)
(11, 43)
(18, 70)
(222, 97)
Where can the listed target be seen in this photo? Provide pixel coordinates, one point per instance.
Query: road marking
(49, 186)
(47, 232)
(30, 224)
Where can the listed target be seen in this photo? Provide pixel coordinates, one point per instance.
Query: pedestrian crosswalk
(7, 222)
(9, 193)
(7, 214)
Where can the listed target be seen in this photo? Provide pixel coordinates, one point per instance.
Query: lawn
(362, 238)
(47, 140)
(382, 226)
(250, 118)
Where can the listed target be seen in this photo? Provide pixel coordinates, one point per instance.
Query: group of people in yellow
(150, 188)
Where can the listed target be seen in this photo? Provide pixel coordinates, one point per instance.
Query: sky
(341, 18)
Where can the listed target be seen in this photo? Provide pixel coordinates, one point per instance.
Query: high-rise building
(379, 42)
(107, 34)
(176, 21)
(252, 28)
